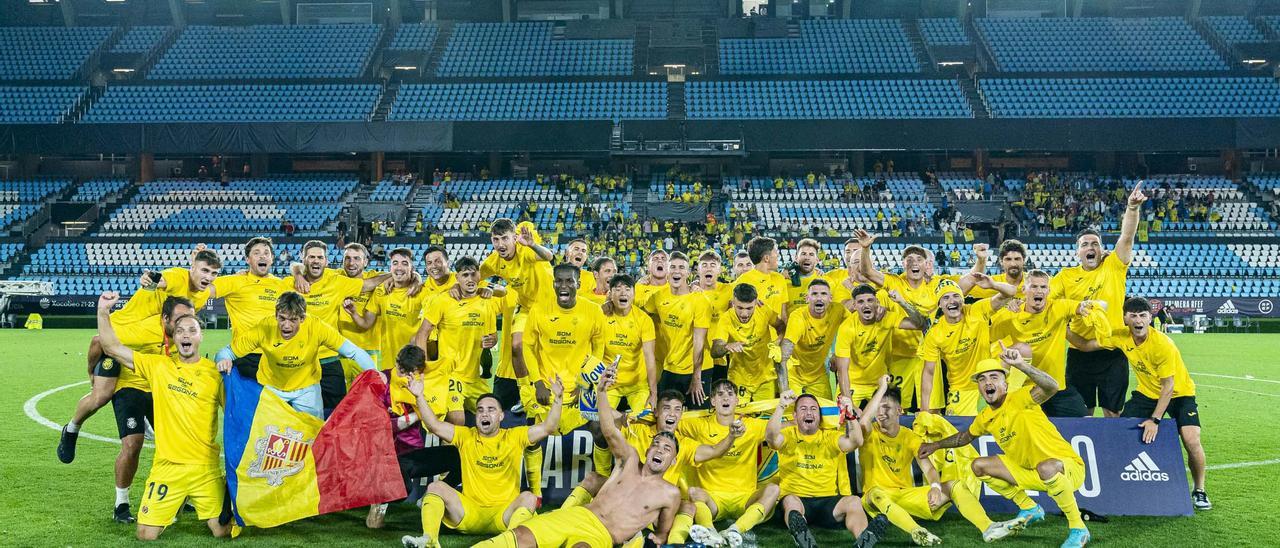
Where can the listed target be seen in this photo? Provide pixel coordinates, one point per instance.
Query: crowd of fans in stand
(1069, 203)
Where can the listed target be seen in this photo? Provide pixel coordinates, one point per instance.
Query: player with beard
(636, 495)
(741, 264)
(396, 307)
(809, 460)
(806, 270)
(326, 290)
(810, 332)
(250, 295)
(844, 280)
(465, 327)
(1013, 267)
(727, 485)
(291, 344)
(575, 253)
(1039, 326)
(865, 339)
(359, 314)
(764, 275)
(1164, 386)
(745, 332)
(718, 296)
(1036, 457)
(188, 391)
(683, 319)
(655, 278)
(603, 270)
(960, 339)
(1101, 377)
(491, 501)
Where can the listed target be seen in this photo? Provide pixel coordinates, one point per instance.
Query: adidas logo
(1228, 308)
(1143, 469)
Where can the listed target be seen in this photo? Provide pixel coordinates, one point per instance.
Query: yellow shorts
(472, 389)
(730, 505)
(963, 403)
(1029, 478)
(821, 389)
(766, 390)
(907, 374)
(915, 500)
(570, 527)
(478, 519)
(570, 416)
(170, 483)
(861, 393)
(636, 396)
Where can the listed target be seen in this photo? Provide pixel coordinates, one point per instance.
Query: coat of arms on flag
(279, 454)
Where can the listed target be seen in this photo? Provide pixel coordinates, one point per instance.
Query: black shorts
(821, 511)
(429, 462)
(333, 383)
(248, 365)
(1101, 378)
(1183, 410)
(507, 391)
(1066, 403)
(133, 410)
(107, 367)
(680, 383)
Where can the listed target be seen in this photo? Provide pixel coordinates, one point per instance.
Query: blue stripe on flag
(241, 405)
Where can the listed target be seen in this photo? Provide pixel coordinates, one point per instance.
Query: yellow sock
(577, 497)
(602, 459)
(1009, 491)
(751, 517)
(505, 540)
(967, 503)
(680, 529)
(432, 514)
(518, 516)
(896, 514)
(533, 468)
(1062, 493)
(702, 515)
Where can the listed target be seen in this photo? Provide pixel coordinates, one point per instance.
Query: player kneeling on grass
(809, 459)
(1035, 455)
(187, 392)
(1164, 386)
(492, 458)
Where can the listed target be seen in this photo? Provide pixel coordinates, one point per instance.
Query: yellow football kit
(771, 287)
(491, 469)
(809, 465)
(624, 336)
(867, 348)
(1027, 438)
(813, 338)
(751, 370)
(960, 345)
(249, 299)
(324, 301)
(731, 479)
(1156, 358)
(460, 326)
(886, 472)
(676, 318)
(1105, 283)
(291, 364)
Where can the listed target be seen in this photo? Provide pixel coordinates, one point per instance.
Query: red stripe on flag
(355, 452)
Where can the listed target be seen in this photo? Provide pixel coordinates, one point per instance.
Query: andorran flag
(284, 465)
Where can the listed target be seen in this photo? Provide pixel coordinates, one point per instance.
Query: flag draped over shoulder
(283, 465)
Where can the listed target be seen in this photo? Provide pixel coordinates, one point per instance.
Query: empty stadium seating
(30, 191)
(1268, 183)
(1234, 29)
(1101, 44)
(943, 31)
(235, 103)
(390, 191)
(844, 46)
(531, 101)
(414, 37)
(1271, 22)
(140, 39)
(12, 213)
(268, 51)
(95, 189)
(826, 99)
(10, 250)
(47, 53)
(1131, 97)
(37, 105)
(961, 186)
(529, 49)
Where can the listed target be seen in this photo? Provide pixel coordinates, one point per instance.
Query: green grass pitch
(47, 503)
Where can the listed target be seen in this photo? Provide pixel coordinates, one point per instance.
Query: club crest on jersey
(278, 455)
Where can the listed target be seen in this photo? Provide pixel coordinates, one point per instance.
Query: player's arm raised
(967, 281)
(524, 237)
(1045, 385)
(548, 426)
(914, 319)
(1004, 291)
(787, 348)
(1129, 224)
(852, 438)
(111, 344)
(869, 412)
(867, 266)
(370, 284)
(441, 429)
(363, 319)
(773, 430)
(608, 426)
(959, 439)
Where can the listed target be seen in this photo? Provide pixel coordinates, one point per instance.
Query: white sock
(122, 495)
(72, 427)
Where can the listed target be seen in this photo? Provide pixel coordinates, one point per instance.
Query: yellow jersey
(952, 464)
(146, 335)
(249, 299)
(840, 283)
(324, 302)
(525, 273)
(886, 461)
(984, 293)
(1045, 332)
(399, 317)
(812, 338)
(442, 393)
(491, 466)
(961, 345)
(771, 287)
(796, 293)
(587, 281)
(624, 336)
(461, 325)
(1105, 283)
(676, 316)
(644, 292)
(177, 284)
(718, 302)
(370, 339)
(558, 341)
(925, 300)
(809, 464)
(867, 346)
(290, 364)
(640, 436)
(1156, 358)
(507, 307)
(752, 366)
(1023, 431)
(734, 472)
(186, 397)
(432, 288)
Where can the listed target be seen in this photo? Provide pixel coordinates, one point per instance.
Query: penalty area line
(1250, 378)
(34, 414)
(1238, 390)
(1242, 464)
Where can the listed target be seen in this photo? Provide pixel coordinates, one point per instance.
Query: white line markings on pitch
(1238, 390)
(30, 409)
(1244, 378)
(1242, 464)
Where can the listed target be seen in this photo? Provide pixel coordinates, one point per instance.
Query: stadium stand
(390, 191)
(268, 51)
(9, 251)
(235, 103)
(414, 37)
(857, 46)
(140, 39)
(1271, 22)
(31, 191)
(95, 189)
(1099, 44)
(1131, 97)
(1268, 183)
(529, 49)
(809, 99)
(37, 105)
(47, 53)
(531, 101)
(962, 186)
(1234, 29)
(943, 31)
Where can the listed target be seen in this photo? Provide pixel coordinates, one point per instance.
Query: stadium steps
(1220, 46)
(94, 62)
(443, 33)
(1269, 33)
(675, 101)
(986, 60)
(710, 50)
(82, 106)
(976, 101)
(157, 52)
(386, 33)
(640, 55)
(923, 56)
(615, 136)
(111, 202)
(385, 101)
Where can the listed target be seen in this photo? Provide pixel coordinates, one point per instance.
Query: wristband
(1156, 420)
(935, 485)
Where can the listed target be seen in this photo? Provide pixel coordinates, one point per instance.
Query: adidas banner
(1221, 307)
